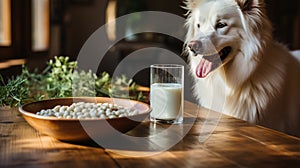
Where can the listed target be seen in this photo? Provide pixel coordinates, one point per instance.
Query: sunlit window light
(40, 25)
(5, 22)
(111, 13)
(10, 63)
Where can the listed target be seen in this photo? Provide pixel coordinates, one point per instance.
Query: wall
(80, 21)
(285, 16)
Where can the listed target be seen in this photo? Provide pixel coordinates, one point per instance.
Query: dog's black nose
(195, 46)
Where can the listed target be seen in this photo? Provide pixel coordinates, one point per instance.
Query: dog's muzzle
(196, 47)
(210, 60)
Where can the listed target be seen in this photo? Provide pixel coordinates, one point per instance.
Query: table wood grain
(209, 140)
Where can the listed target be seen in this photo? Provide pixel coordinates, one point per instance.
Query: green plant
(61, 78)
(58, 78)
(13, 93)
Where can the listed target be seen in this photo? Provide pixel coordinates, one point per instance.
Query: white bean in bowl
(82, 110)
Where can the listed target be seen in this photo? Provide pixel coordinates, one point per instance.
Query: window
(5, 22)
(40, 25)
(24, 30)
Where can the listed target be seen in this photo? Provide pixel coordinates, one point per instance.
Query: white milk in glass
(166, 101)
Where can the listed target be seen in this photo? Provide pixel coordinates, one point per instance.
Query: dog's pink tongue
(204, 68)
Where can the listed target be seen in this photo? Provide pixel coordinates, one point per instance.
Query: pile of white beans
(82, 110)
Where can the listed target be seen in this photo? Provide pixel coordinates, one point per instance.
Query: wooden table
(211, 141)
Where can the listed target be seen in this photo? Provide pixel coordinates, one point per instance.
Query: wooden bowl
(81, 129)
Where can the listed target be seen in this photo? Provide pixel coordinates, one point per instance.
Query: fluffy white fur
(259, 81)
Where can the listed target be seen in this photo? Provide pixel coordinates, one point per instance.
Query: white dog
(238, 68)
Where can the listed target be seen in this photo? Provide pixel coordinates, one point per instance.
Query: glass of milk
(166, 93)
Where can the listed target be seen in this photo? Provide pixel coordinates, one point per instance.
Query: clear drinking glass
(167, 93)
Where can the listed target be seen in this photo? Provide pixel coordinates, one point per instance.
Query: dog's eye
(220, 25)
(198, 26)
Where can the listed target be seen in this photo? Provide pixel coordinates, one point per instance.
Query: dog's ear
(248, 5)
(192, 4)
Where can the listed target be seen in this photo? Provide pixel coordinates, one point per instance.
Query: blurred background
(34, 31)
